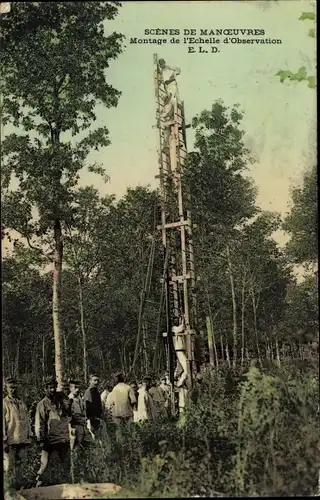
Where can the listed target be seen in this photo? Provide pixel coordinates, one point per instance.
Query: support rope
(144, 295)
(155, 358)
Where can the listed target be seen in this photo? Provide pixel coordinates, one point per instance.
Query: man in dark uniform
(80, 435)
(93, 406)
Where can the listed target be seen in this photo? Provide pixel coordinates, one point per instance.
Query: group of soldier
(67, 422)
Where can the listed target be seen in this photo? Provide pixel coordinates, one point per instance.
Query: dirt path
(69, 491)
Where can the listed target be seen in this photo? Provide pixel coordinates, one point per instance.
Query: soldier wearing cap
(159, 398)
(93, 406)
(53, 415)
(147, 411)
(16, 431)
(80, 434)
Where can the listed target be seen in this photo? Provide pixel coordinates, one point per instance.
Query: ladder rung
(187, 331)
(174, 224)
(181, 278)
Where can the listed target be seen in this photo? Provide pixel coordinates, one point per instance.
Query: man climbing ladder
(178, 337)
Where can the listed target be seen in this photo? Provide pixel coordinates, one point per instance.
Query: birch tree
(53, 60)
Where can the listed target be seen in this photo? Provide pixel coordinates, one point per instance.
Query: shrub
(244, 434)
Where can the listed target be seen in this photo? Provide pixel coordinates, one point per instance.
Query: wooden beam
(174, 224)
(210, 340)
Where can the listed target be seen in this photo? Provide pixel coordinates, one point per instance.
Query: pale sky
(279, 118)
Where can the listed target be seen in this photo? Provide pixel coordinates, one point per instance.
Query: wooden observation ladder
(176, 221)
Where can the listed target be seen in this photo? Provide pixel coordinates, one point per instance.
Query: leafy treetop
(53, 58)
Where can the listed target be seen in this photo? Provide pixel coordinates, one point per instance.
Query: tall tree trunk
(234, 310)
(255, 323)
(43, 358)
(277, 351)
(125, 363)
(17, 358)
(102, 363)
(222, 346)
(243, 306)
(210, 340)
(228, 355)
(213, 353)
(56, 298)
(83, 331)
(65, 354)
(214, 344)
(121, 358)
(107, 361)
(34, 368)
(300, 351)
(269, 349)
(144, 347)
(6, 359)
(247, 354)
(213, 337)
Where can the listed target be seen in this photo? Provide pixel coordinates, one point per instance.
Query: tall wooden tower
(176, 219)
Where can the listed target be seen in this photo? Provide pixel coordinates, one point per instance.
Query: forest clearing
(88, 292)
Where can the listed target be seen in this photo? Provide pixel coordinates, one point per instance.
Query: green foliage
(65, 91)
(26, 308)
(301, 74)
(51, 103)
(302, 221)
(269, 412)
(223, 203)
(312, 33)
(107, 246)
(307, 15)
(297, 77)
(85, 238)
(54, 58)
(220, 194)
(301, 316)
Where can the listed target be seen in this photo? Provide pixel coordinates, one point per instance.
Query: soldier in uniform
(16, 432)
(52, 421)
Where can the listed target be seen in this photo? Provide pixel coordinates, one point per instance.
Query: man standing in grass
(80, 434)
(16, 433)
(147, 411)
(122, 402)
(52, 427)
(159, 399)
(93, 407)
(80, 438)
